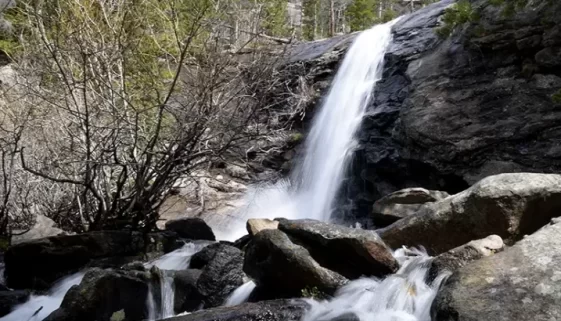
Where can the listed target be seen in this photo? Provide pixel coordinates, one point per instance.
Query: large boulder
(348, 251)
(10, 299)
(187, 296)
(43, 227)
(279, 310)
(522, 283)
(221, 275)
(38, 263)
(255, 226)
(397, 205)
(102, 293)
(456, 258)
(275, 262)
(508, 205)
(193, 228)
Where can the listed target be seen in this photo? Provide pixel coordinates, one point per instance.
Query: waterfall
(176, 260)
(39, 307)
(241, 294)
(316, 180)
(404, 296)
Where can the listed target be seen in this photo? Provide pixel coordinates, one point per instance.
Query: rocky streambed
(297, 264)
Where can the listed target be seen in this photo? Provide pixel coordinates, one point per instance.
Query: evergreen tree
(275, 17)
(361, 14)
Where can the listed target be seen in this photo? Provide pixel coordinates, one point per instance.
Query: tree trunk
(332, 18)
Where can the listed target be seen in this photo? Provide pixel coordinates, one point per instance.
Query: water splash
(176, 260)
(39, 307)
(314, 184)
(405, 296)
(241, 294)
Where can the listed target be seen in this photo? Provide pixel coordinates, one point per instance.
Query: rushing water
(314, 184)
(176, 260)
(241, 294)
(39, 307)
(404, 296)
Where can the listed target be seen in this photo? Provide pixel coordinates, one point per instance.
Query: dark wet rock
(38, 263)
(134, 266)
(200, 259)
(10, 299)
(191, 228)
(521, 283)
(278, 310)
(397, 205)
(102, 293)
(508, 205)
(242, 242)
(348, 251)
(221, 275)
(187, 295)
(283, 267)
(456, 258)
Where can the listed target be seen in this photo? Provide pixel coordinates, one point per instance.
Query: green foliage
(557, 97)
(313, 293)
(275, 17)
(455, 16)
(361, 15)
(296, 137)
(389, 15)
(509, 6)
(309, 10)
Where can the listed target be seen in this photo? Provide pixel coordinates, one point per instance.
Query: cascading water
(316, 180)
(176, 260)
(241, 294)
(39, 307)
(404, 296)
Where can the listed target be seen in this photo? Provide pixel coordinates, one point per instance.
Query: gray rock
(549, 57)
(508, 205)
(187, 295)
(43, 227)
(348, 251)
(255, 226)
(10, 299)
(456, 258)
(39, 263)
(522, 283)
(102, 293)
(221, 275)
(403, 203)
(278, 310)
(275, 262)
(192, 228)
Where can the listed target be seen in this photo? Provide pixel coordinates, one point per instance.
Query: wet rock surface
(508, 205)
(102, 293)
(221, 275)
(521, 283)
(279, 310)
(283, 267)
(10, 299)
(191, 228)
(348, 251)
(38, 263)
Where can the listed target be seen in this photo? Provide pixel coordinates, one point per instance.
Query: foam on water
(39, 307)
(241, 294)
(404, 296)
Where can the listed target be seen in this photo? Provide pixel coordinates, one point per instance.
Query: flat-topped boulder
(351, 252)
(508, 205)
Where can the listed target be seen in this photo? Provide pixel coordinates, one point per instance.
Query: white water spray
(176, 260)
(241, 294)
(39, 307)
(330, 144)
(404, 296)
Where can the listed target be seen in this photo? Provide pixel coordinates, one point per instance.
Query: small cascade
(176, 260)
(316, 180)
(39, 307)
(404, 296)
(241, 294)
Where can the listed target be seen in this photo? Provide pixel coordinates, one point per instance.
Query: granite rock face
(521, 283)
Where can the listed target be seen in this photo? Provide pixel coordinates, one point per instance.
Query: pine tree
(275, 17)
(361, 14)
